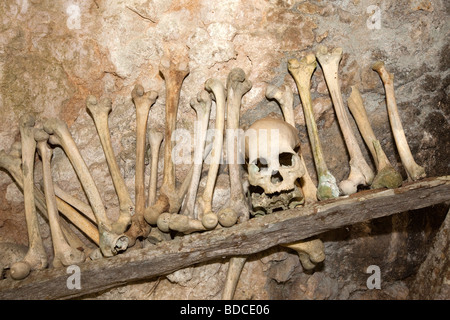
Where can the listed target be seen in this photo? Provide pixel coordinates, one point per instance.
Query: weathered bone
(166, 220)
(155, 138)
(202, 106)
(178, 222)
(235, 267)
(81, 206)
(286, 101)
(174, 72)
(302, 72)
(110, 242)
(64, 254)
(360, 171)
(99, 112)
(237, 207)
(85, 225)
(206, 215)
(12, 163)
(414, 171)
(387, 176)
(36, 257)
(309, 252)
(142, 101)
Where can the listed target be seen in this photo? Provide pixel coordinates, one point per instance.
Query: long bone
(237, 207)
(142, 101)
(110, 242)
(174, 72)
(36, 257)
(99, 110)
(235, 267)
(206, 215)
(79, 221)
(202, 106)
(286, 101)
(81, 206)
(11, 162)
(387, 176)
(155, 139)
(413, 170)
(64, 254)
(360, 171)
(302, 71)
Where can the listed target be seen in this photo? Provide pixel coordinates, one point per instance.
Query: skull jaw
(265, 203)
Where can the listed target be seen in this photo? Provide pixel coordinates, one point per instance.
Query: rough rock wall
(54, 53)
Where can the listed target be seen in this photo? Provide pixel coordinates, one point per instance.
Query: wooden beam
(247, 238)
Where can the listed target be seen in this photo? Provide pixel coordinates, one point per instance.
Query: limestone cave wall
(53, 54)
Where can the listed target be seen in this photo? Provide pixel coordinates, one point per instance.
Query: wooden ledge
(247, 238)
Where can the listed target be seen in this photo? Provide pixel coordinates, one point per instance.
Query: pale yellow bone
(202, 106)
(360, 171)
(285, 99)
(237, 86)
(205, 213)
(110, 242)
(414, 171)
(386, 176)
(174, 71)
(302, 71)
(99, 111)
(235, 267)
(155, 139)
(64, 254)
(12, 163)
(36, 257)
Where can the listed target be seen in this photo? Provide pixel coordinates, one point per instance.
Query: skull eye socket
(285, 159)
(261, 163)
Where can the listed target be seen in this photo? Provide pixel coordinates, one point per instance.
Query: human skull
(273, 162)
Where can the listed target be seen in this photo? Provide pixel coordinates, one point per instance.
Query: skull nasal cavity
(276, 177)
(285, 159)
